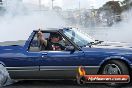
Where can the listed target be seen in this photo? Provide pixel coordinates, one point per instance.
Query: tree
(113, 6)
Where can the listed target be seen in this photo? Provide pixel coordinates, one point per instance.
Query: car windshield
(79, 38)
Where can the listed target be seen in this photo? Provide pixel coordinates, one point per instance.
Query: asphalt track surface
(57, 84)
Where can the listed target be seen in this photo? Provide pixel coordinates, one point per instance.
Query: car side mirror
(70, 48)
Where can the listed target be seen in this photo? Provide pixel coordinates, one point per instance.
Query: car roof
(48, 29)
(52, 29)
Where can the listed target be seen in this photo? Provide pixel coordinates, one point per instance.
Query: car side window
(35, 46)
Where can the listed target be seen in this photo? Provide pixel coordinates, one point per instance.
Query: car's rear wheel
(115, 67)
(3, 76)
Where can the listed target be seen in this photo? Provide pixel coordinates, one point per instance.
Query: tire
(81, 80)
(115, 67)
(3, 75)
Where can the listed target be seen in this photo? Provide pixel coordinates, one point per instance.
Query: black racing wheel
(114, 67)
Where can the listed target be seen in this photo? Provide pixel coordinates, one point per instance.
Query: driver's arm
(41, 38)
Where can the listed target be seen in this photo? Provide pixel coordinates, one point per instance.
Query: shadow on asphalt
(56, 84)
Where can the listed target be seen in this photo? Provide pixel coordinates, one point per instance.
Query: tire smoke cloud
(18, 19)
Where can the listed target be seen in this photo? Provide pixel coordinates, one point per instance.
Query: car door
(60, 64)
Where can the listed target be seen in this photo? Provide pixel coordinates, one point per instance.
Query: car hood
(108, 44)
(110, 47)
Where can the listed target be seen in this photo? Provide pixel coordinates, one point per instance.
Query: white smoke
(121, 31)
(125, 27)
(20, 19)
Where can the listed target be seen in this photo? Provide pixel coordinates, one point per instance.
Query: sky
(71, 4)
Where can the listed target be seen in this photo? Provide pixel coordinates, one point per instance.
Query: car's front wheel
(114, 67)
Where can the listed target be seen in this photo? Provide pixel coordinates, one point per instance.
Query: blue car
(28, 61)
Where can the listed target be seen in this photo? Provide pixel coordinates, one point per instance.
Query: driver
(52, 43)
